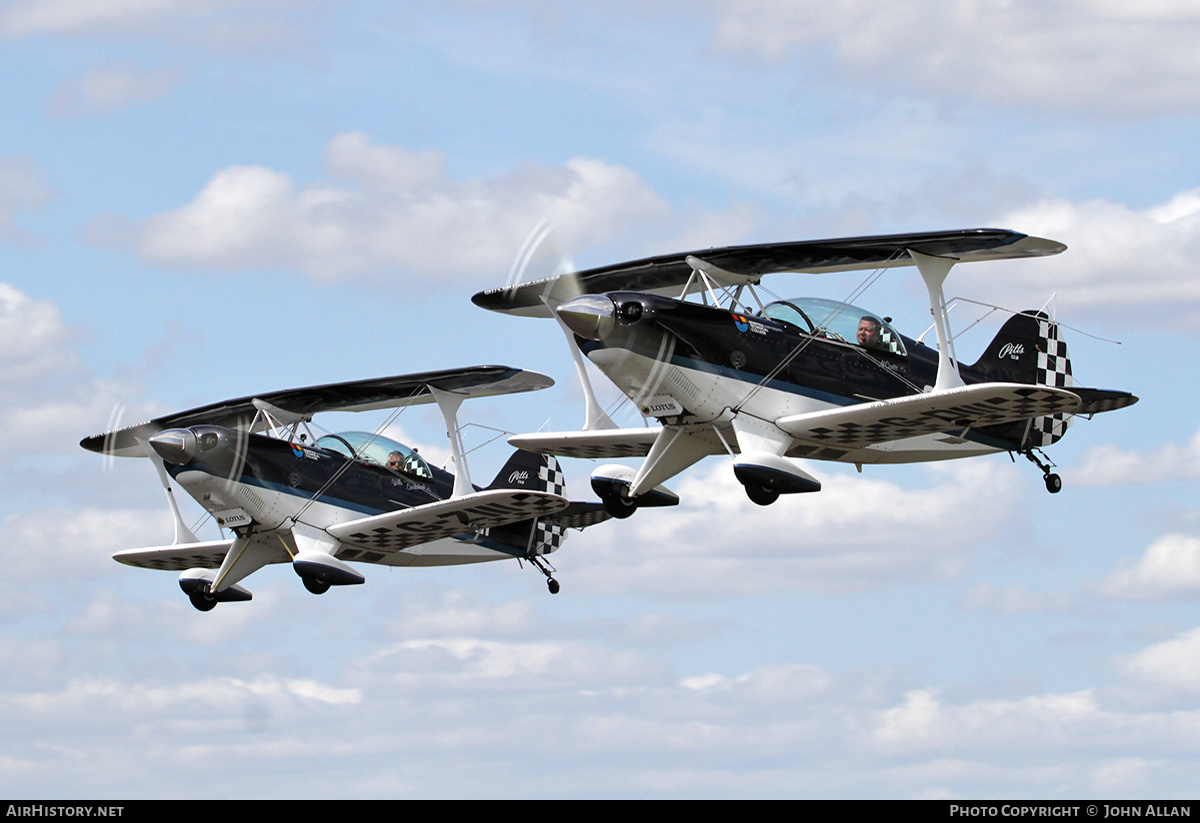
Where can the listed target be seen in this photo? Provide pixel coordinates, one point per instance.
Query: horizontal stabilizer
(303, 403)
(602, 443)
(578, 515)
(982, 404)
(394, 531)
(1096, 401)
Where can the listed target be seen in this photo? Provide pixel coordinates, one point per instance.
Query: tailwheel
(541, 565)
(1054, 483)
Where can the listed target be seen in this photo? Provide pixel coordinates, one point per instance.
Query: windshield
(377, 449)
(837, 321)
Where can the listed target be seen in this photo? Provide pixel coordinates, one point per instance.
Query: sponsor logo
(520, 477)
(662, 406)
(743, 325)
(1011, 351)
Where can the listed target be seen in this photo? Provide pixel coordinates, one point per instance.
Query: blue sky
(208, 199)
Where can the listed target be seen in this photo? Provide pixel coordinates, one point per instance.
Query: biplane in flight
(772, 382)
(325, 503)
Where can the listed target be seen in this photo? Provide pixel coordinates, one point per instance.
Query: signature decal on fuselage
(1012, 351)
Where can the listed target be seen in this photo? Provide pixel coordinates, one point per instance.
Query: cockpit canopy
(377, 450)
(836, 321)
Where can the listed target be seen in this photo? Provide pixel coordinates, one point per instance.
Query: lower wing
(393, 531)
(882, 421)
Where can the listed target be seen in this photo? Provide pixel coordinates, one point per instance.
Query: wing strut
(933, 272)
(449, 404)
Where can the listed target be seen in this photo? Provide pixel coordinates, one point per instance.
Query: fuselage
(686, 363)
(251, 481)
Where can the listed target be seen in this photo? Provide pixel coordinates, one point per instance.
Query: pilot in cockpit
(395, 461)
(869, 332)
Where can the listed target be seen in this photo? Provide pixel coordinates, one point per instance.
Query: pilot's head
(868, 332)
(395, 460)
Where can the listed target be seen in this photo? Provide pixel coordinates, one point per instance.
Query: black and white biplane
(768, 382)
(324, 503)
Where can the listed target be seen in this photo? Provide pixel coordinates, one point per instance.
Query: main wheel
(1053, 483)
(619, 507)
(761, 494)
(202, 601)
(315, 586)
(552, 585)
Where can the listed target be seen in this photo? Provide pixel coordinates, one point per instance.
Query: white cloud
(1111, 465)
(858, 532)
(1020, 599)
(1169, 569)
(23, 188)
(1172, 666)
(254, 27)
(1094, 56)
(1125, 265)
(46, 388)
(111, 88)
(401, 213)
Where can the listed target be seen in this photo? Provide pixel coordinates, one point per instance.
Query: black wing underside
(352, 396)
(671, 272)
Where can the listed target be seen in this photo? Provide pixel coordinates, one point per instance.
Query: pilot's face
(868, 333)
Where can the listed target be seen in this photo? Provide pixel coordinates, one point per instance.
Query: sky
(202, 200)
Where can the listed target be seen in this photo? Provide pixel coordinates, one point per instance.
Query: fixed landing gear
(203, 601)
(618, 506)
(315, 585)
(541, 565)
(760, 494)
(1053, 481)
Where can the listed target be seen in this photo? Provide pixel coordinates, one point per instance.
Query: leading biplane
(769, 382)
(322, 504)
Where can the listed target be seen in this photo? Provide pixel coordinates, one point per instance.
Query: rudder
(1029, 349)
(535, 472)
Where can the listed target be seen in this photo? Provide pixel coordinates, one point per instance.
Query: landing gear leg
(541, 565)
(1053, 481)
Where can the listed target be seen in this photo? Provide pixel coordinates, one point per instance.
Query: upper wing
(600, 443)
(982, 404)
(748, 264)
(303, 403)
(401, 529)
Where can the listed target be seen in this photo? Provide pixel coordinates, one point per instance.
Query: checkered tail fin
(1029, 349)
(536, 472)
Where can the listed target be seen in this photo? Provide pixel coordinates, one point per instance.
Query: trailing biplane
(769, 382)
(325, 503)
